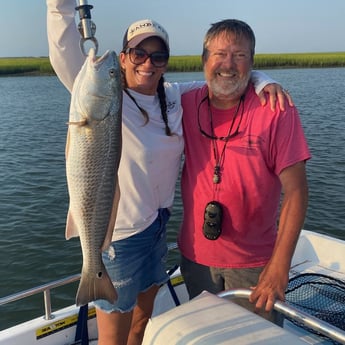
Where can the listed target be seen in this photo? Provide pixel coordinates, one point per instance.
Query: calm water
(33, 192)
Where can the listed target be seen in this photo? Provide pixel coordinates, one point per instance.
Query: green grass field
(188, 63)
(29, 65)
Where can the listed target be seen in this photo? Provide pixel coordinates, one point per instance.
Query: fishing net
(320, 296)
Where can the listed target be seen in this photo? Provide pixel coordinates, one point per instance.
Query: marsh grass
(187, 63)
(305, 60)
(29, 65)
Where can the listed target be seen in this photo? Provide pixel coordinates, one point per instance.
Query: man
(239, 157)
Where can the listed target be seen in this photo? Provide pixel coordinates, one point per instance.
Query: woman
(151, 153)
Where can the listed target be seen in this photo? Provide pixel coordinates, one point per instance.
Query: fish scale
(93, 152)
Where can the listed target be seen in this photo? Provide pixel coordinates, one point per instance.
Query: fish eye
(112, 72)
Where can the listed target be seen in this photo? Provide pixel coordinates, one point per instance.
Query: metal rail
(46, 288)
(46, 292)
(299, 316)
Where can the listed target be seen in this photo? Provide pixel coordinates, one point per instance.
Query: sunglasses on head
(138, 56)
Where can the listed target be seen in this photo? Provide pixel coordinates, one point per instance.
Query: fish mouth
(99, 60)
(103, 57)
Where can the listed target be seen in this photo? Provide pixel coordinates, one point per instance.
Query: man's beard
(228, 89)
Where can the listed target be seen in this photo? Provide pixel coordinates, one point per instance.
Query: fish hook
(86, 27)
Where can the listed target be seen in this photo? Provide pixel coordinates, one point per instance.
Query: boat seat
(210, 320)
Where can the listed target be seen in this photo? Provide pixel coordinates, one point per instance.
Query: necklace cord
(219, 158)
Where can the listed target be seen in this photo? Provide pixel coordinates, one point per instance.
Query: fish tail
(95, 287)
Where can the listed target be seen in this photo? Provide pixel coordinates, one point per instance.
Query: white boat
(315, 301)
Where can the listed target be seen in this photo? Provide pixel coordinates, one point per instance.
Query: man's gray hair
(229, 27)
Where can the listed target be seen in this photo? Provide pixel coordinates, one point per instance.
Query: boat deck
(208, 319)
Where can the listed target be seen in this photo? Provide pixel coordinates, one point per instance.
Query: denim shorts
(136, 263)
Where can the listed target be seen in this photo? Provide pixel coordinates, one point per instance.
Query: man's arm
(275, 277)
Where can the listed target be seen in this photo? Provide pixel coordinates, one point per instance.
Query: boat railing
(45, 288)
(298, 316)
(308, 321)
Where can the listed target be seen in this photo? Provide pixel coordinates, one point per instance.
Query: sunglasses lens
(139, 56)
(159, 59)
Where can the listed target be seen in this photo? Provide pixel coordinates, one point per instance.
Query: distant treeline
(187, 63)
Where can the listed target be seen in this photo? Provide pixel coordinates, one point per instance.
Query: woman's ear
(122, 58)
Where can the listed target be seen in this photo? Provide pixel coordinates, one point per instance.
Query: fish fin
(112, 220)
(71, 228)
(67, 145)
(95, 287)
(78, 123)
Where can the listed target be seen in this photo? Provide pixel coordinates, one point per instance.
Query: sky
(280, 26)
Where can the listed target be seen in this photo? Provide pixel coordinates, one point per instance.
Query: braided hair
(162, 102)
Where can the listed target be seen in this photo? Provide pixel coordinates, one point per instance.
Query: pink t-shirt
(250, 189)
